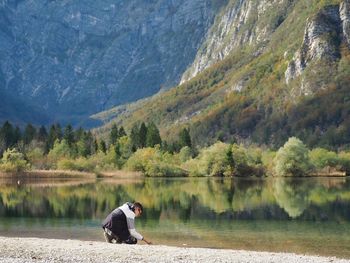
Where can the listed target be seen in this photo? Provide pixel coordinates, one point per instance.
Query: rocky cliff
(324, 35)
(74, 58)
(266, 71)
(240, 24)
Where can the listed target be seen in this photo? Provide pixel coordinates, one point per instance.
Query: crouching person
(119, 225)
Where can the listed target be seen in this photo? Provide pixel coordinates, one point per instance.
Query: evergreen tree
(117, 150)
(122, 132)
(55, 133)
(42, 134)
(153, 136)
(7, 136)
(17, 135)
(102, 146)
(58, 130)
(185, 138)
(29, 133)
(143, 135)
(95, 146)
(114, 135)
(69, 135)
(135, 138)
(84, 145)
(78, 134)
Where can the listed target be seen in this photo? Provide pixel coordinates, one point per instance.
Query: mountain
(267, 70)
(75, 58)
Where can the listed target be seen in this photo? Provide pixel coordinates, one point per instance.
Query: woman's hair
(137, 204)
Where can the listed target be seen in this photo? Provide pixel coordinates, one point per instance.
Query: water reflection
(184, 199)
(295, 215)
(292, 195)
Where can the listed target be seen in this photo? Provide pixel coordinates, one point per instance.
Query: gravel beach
(13, 250)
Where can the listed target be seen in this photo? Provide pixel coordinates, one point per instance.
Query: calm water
(302, 215)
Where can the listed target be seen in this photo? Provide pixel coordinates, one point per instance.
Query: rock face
(241, 23)
(74, 58)
(323, 37)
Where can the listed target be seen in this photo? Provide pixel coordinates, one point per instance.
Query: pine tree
(185, 138)
(143, 135)
(122, 132)
(153, 136)
(29, 133)
(135, 138)
(84, 145)
(114, 135)
(78, 134)
(17, 136)
(102, 146)
(69, 135)
(95, 146)
(42, 134)
(55, 133)
(7, 135)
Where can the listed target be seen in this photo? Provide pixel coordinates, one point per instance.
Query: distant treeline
(142, 149)
(55, 147)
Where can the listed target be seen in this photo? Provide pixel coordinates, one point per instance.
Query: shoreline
(67, 174)
(15, 250)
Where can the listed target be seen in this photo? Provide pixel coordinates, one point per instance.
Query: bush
(344, 162)
(185, 154)
(292, 159)
(211, 161)
(153, 162)
(37, 158)
(13, 161)
(80, 164)
(321, 158)
(61, 150)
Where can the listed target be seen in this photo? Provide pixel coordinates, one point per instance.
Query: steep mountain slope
(75, 58)
(267, 75)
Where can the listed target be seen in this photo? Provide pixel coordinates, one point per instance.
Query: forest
(142, 149)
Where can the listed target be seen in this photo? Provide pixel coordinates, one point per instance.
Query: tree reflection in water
(183, 198)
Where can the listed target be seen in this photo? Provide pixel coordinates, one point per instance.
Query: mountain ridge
(246, 96)
(95, 55)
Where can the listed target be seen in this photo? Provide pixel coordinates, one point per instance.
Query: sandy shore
(13, 250)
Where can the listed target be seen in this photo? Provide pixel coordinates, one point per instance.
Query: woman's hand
(148, 242)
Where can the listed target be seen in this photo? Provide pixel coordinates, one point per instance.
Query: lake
(306, 215)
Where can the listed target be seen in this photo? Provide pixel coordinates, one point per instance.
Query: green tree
(7, 136)
(61, 149)
(292, 159)
(13, 161)
(29, 133)
(68, 135)
(17, 135)
(143, 135)
(153, 136)
(114, 134)
(85, 144)
(42, 134)
(102, 146)
(185, 138)
(135, 137)
(55, 133)
(122, 132)
(321, 158)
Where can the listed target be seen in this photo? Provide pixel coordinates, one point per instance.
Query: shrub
(153, 162)
(211, 161)
(80, 164)
(37, 158)
(321, 158)
(13, 161)
(292, 159)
